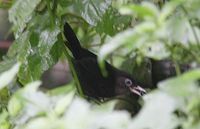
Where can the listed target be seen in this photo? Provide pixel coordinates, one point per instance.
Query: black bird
(163, 69)
(153, 71)
(93, 83)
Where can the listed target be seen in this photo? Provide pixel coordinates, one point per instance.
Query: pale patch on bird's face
(128, 82)
(127, 85)
(123, 84)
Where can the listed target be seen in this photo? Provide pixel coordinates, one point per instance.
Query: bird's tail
(73, 42)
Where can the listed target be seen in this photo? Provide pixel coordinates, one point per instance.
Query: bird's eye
(128, 82)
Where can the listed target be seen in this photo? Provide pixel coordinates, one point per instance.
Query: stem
(54, 8)
(78, 86)
(177, 67)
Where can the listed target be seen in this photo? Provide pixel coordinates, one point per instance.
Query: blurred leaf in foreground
(184, 85)
(157, 113)
(175, 104)
(30, 108)
(8, 76)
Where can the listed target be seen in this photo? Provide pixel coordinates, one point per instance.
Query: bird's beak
(138, 90)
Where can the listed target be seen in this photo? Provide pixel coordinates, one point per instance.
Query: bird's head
(126, 83)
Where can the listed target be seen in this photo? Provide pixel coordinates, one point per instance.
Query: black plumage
(93, 83)
(163, 69)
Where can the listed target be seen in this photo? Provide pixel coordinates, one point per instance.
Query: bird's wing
(88, 66)
(90, 76)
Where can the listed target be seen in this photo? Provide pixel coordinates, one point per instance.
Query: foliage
(156, 29)
(160, 35)
(5, 3)
(30, 108)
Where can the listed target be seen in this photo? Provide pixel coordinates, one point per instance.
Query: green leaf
(194, 34)
(168, 9)
(96, 119)
(112, 22)
(192, 8)
(63, 103)
(131, 38)
(183, 85)
(21, 12)
(45, 123)
(145, 10)
(177, 29)
(14, 106)
(29, 102)
(4, 122)
(63, 89)
(8, 76)
(6, 64)
(119, 40)
(5, 4)
(157, 105)
(92, 10)
(155, 50)
(38, 48)
(31, 87)
(4, 97)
